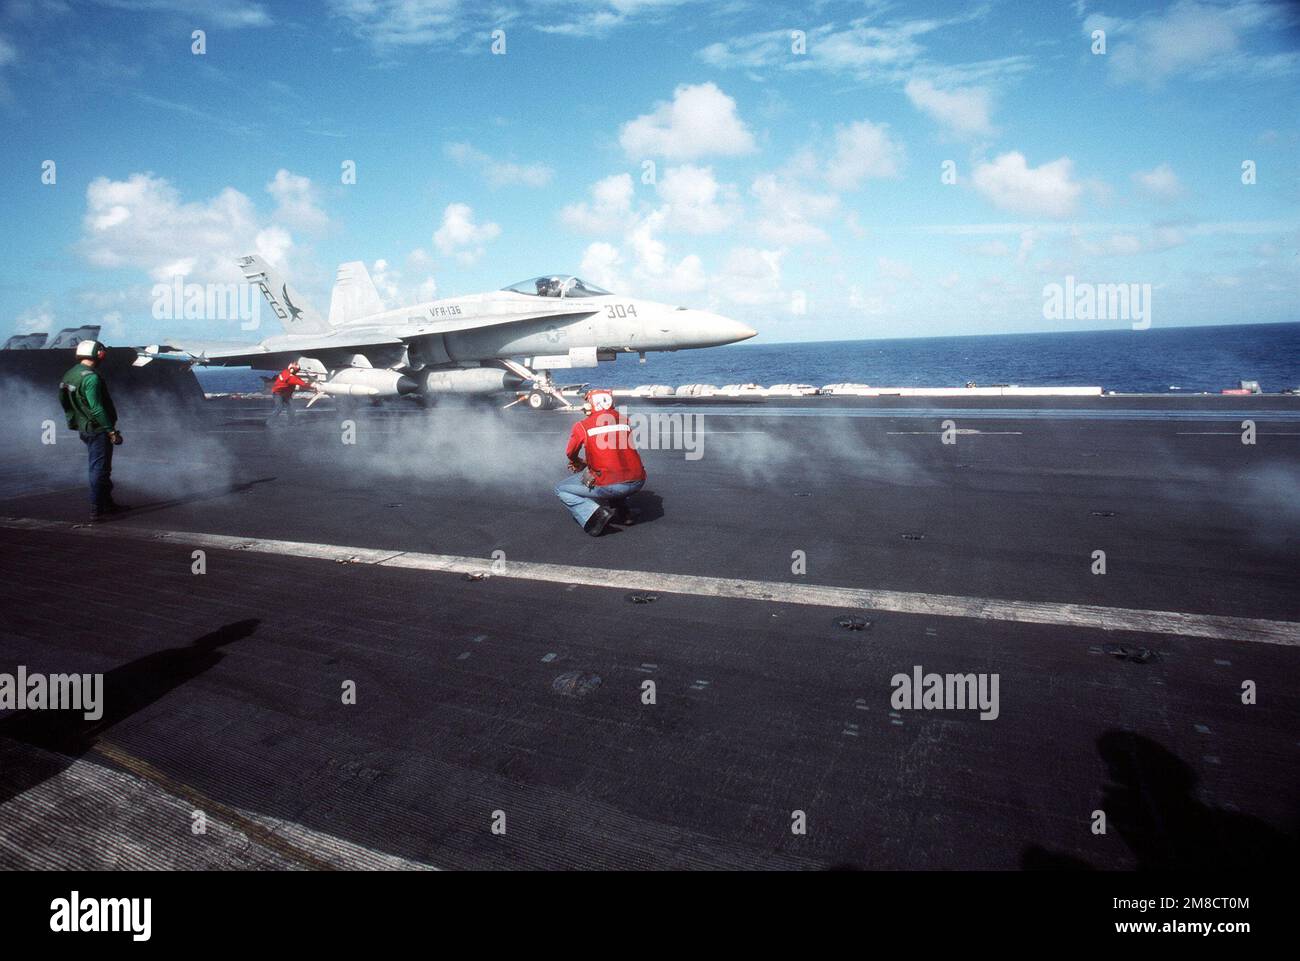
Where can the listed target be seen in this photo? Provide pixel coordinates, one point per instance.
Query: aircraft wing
(356, 338)
(287, 347)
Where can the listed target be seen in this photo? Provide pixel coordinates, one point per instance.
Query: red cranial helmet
(599, 399)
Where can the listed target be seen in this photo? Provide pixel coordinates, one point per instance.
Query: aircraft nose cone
(724, 330)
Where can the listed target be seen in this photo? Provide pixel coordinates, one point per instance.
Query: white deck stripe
(1256, 630)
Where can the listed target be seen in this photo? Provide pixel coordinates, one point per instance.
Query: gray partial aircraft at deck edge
(478, 344)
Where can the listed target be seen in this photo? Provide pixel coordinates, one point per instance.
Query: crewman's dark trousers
(283, 405)
(100, 449)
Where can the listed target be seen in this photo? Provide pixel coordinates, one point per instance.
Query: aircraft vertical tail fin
(287, 304)
(354, 294)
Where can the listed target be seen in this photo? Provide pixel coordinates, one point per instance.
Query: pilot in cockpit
(549, 286)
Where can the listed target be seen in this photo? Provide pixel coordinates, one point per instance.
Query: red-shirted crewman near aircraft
(597, 492)
(286, 382)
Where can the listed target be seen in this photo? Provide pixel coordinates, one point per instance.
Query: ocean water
(1157, 360)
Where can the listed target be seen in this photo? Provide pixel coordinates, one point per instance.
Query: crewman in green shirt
(90, 412)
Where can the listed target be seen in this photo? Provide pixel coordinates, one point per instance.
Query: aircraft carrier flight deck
(676, 693)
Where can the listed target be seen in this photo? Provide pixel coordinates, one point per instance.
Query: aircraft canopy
(557, 285)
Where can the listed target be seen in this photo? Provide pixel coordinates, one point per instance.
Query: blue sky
(798, 191)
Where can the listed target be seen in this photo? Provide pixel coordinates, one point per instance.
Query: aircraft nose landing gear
(544, 395)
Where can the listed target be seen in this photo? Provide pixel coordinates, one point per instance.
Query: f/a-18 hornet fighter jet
(506, 341)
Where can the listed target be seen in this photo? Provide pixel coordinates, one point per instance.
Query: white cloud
(89, 307)
(595, 18)
(1205, 229)
(389, 24)
(748, 275)
(653, 266)
(651, 252)
(296, 201)
(1011, 184)
(460, 236)
(1160, 183)
(963, 111)
(111, 326)
(105, 308)
(498, 173)
(394, 289)
(688, 276)
(386, 280)
(871, 301)
(600, 265)
(1131, 242)
(866, 49)
(31, 9)
(142, 222)
(789, 213)
(229, 13)
(419, 259)
(36, 320)
(696, 202)
(1028, 239)
(895, 269)
(401, 23)
(751, 276)
(863, 150)
(1197, 39)
(1166, 238)
(8, 55)
(1125, 244)
(273, 244)
(701, 121)
(610, 208)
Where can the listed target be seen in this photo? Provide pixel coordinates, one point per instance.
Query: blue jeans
(282, 404)
(100, 449)
(582, 500)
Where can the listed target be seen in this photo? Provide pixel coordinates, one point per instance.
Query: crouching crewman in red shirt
(598, 494)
